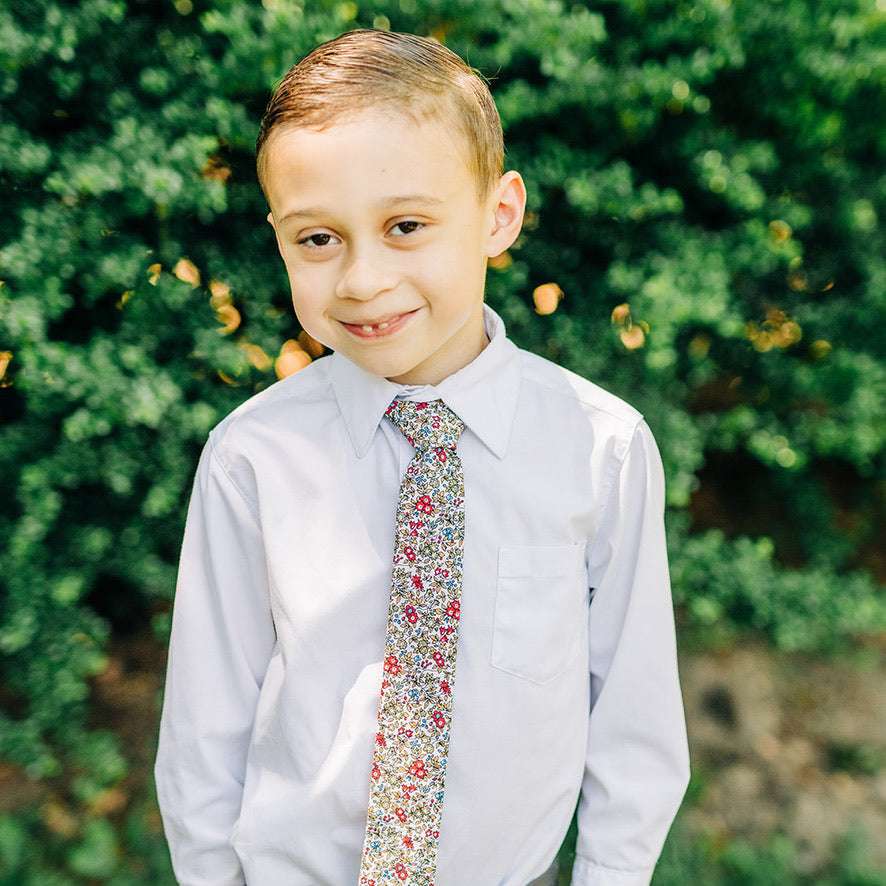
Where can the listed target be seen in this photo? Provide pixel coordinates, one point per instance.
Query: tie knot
(426, 425)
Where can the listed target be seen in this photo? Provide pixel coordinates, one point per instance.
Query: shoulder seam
(217, 459)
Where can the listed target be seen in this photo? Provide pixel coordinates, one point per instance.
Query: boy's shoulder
(281, 403)
(566, 390)
(578, 413)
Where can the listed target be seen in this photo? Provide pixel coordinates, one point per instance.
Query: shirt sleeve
(637, 764)
(221, 642)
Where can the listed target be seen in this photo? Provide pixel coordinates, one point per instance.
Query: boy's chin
(398, 372)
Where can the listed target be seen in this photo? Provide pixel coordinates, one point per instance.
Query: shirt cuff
(587, 873)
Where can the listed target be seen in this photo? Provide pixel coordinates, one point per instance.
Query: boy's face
(385, 241)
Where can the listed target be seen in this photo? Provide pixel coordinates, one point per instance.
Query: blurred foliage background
(707, 187)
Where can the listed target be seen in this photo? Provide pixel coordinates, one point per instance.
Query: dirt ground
(789, 744)
(781, 744)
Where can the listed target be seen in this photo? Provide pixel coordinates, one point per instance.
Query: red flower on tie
(376, 772)
(417, 769)
(439, 719)
(400, 812)
(453, 610)
(417, 582)
(424, 504)
(392, 664)
(439, 660)
(410, 554)
(445, 688)
(411, 615)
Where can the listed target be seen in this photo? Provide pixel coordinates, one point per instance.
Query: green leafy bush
(55, 849)
(731, 588)
(740, 863)
(705, 237)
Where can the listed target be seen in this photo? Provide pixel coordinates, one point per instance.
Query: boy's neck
(439, 366)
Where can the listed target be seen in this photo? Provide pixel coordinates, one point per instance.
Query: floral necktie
(412, 742)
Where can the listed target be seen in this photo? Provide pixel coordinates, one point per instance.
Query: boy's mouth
(379, 328)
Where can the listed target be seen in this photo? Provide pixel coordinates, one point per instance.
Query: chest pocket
(540, 610)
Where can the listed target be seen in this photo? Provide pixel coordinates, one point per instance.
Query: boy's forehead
(411, 146)
(411, 122)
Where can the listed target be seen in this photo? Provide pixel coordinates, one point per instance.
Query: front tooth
(382, 325)
(367, 329)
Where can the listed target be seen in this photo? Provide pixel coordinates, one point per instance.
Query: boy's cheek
(304, 285)
(286, 254)
(309, 311)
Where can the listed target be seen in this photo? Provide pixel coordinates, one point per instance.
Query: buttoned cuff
(587, 873)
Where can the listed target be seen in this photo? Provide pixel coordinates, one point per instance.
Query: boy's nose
(364, 278)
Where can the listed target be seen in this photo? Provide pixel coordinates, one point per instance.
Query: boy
(329, 722)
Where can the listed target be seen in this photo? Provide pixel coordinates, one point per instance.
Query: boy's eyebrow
(425, 199)
(387, 203)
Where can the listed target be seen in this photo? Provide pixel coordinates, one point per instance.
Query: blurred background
(705, 237)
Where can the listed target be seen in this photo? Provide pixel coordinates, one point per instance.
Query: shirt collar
(483, 394)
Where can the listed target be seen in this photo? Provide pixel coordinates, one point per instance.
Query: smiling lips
(380, 329)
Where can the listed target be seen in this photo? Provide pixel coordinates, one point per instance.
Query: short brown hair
(412, 75)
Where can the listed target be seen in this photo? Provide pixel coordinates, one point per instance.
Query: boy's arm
(637, 765)
(222, 639)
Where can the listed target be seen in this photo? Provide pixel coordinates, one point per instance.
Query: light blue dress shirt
(566, 682)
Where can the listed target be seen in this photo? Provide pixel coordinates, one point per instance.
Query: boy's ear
(508, 202)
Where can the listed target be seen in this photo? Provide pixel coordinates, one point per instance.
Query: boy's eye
(406, 227)
(317, 240)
